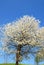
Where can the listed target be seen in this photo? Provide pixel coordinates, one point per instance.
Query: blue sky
(11, 10)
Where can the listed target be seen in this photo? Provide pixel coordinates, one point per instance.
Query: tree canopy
(22, 37)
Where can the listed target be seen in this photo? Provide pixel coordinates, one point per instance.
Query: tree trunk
(5, 58)
(17, 58)
(37, 63)
(18, 54)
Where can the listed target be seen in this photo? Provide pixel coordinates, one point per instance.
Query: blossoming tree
(22, 37)
(39, 56)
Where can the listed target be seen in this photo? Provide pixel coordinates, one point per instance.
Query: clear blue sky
(11, 10)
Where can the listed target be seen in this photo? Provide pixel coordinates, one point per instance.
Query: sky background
(11, 10)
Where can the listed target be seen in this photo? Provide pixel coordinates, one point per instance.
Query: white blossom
(25, 30)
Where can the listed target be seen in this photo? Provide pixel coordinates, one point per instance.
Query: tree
(22, 37)
(39, 56)
(0, 52)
